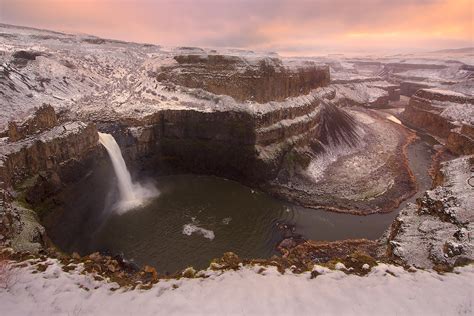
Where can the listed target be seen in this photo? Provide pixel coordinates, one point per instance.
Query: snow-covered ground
(98, 79)
(385, 290)
(438, 229)
(105, 79)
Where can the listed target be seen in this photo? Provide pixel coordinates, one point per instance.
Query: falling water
(132, 194)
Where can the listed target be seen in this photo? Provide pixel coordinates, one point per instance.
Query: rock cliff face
(44, 145)
(444, 114)
(235, 144)
(437, 230)
(262, 80)
(422, 114)
(44, 118)
(39, 157)
(461, 140)
(409, 88)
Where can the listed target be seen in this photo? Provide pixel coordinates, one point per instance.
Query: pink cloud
(289, 26)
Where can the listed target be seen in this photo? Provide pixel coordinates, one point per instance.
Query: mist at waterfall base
(197, 218)
(132, 195)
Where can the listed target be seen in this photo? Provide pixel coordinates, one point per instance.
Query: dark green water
(197, 218)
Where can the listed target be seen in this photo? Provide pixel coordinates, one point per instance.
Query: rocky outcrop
(444, 114)
(236, 144)
(412, 72)
(401, 67)
(409, 88)
(354, 253)
(37, 159)
(44, 145)
(460, 141)
(376, 94)
(44, 118)
(440, 95)
(393, 91)
(261, 80)
(437, 231)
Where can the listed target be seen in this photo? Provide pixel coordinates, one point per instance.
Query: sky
(289, 27)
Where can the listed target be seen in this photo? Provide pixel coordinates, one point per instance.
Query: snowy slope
(100, 79)
(386, 290)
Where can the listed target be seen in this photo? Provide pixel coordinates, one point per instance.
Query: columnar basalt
(38, 159)
(261, 80)
(235, 144)
(444, 114)
(49, 150)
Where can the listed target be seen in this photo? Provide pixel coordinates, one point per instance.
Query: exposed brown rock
(460, 141)
(409, 88)
(267, 80)
(421, 114)
(313, 252)
(44, 118)
(50, 151)
(150, 273)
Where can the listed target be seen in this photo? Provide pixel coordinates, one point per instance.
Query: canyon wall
(48, 146)
(444, 114)
(265, 80)
(435, 232)
(38, 158)
(234, 144)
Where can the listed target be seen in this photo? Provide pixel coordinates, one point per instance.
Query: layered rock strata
(237, 144)
(261, 80)
(46, 149)
(444, 114)
(364, 169)
(37, 159)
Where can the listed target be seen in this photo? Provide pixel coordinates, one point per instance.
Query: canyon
(324, 133)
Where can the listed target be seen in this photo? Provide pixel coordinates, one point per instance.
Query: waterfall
(132, 194)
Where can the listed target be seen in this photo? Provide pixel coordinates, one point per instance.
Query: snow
(424, 234)
(446, 92)
(463, 113)
(394, 119)
(318, 166)
(57, 132)
(112, 79)
(361, 93)
(251, 290)
(340, 266)
(189, 229)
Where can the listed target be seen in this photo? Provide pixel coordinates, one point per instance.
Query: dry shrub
(7, 274)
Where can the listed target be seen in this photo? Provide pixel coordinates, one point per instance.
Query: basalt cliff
(319, 132)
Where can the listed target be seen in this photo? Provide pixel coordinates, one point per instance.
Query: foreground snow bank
(386, 290)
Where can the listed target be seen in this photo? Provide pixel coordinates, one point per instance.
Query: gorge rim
(145, 179)
(182, 220)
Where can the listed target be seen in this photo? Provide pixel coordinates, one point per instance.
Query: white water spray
(132, 194)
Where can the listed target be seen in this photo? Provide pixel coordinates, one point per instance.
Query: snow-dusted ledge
(386, 290)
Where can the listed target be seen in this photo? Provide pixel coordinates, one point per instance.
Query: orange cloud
(288, 26)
